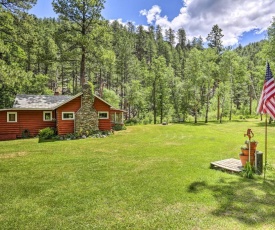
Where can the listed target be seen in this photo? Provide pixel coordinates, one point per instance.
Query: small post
(265, 145)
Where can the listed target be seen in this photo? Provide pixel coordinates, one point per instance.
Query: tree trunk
(207, 108)
(231, 94)
(62, 78)
(250, 100)
(83, 66)
(196, 115)
(218, 108)
(129, 112)
(154, 103)
(207, 103)
(29, 60)
(222, 105)
(231, 107)
(161, 109)
(46, 69)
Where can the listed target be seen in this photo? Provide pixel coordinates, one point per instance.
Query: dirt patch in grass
(12, 155)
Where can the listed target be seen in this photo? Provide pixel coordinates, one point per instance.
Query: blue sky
(242, 21)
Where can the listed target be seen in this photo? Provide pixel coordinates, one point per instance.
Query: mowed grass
(147, 177)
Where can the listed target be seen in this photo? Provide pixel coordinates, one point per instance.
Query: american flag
(267, 100)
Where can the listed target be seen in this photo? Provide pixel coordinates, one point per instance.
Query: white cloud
(119, 20)
(234, 17)
(152, 14)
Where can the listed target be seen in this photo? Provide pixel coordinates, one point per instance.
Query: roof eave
(32, 109)
(120, 110)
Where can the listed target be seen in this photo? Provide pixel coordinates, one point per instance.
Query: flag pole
(265, 145)
(267, 104)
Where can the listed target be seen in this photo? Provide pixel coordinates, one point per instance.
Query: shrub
(145, 122)
(132, 121)
(46, 133)
(71, 136)
(118, 127)
(105, 132)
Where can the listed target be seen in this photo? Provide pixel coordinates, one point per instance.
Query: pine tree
(181, 35)
(84, 16)
(214, 38)
(18, 5)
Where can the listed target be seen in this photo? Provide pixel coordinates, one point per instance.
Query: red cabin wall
(33, 120)
(67, 126)
(30, 120)
(100, 106)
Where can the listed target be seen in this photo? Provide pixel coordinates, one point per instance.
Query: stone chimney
(86, 118)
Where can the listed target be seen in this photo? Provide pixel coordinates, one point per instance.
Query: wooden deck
(231, 164)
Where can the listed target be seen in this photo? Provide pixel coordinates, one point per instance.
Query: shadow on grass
(262, 124)
(195, 187)
(199, 123)
(248, 201)
(202, 123)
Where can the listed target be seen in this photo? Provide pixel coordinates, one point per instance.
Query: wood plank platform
(231, 164)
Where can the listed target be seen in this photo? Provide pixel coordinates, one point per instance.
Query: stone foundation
(86, 118)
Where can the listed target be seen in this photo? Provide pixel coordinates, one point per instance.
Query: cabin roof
(40, 101)
(46, 102)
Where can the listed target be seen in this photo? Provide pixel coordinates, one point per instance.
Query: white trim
(51, 115)
(8, 117)
(67, 118)
(99, 112)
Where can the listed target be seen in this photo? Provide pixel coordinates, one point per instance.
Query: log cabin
(66, 114)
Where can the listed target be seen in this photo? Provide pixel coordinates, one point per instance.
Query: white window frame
(67, 118)
(51, 115)
(8, 117)
(100, 112)
(113, 117)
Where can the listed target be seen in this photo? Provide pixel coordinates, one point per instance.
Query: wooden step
(231, 164)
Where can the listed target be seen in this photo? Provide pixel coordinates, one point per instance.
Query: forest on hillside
(155, 75)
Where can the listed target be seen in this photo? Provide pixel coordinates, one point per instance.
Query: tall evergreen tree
(170, 36)
(17, 5)
(210, 69)
(215, 42)
(181, 35)
(141, 42)
(194, 82)
(214, 38)
(271, 38)
(85, 16)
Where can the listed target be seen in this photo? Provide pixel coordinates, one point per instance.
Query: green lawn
(146, 177)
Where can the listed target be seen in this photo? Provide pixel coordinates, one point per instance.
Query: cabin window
(67, 115)
(117, 118)
(47, 116)
(113, 117)
(103, 115)
(12, 117)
